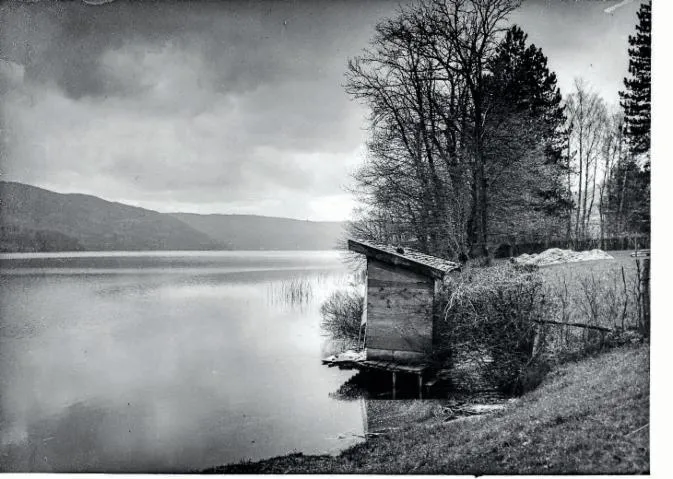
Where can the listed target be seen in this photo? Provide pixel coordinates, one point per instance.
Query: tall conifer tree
(636, 98)
(629, 189)
(524, 85)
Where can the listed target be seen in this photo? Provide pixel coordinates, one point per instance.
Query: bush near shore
(489, 328)
(342, 316)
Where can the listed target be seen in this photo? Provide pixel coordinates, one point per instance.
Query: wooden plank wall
(399, 312)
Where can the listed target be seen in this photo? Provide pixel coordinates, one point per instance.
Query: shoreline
(587, 417)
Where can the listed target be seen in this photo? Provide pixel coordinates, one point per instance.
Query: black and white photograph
(328, 237)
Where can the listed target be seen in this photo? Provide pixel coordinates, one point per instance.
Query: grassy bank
(587, 417)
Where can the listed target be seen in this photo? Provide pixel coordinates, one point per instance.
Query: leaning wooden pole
(576, 325)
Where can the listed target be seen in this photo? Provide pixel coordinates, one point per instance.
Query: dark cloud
(244, 44)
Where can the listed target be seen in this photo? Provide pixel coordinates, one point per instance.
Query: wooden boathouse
(400, 304)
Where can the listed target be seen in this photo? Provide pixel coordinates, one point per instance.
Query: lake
(167, 362)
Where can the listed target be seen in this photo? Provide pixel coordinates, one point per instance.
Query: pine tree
(524, 87)
(636, 98)
(628, 199)
(631, 181)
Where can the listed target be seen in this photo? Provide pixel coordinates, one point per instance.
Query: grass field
(601, 293)
(588, 417)
(608, 271)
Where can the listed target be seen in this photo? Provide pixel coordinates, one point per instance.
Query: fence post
(645, 285)
(643, 259)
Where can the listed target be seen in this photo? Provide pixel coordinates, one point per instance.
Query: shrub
(490, 326)
(342, 315)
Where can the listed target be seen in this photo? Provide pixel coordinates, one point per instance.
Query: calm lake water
(166, 361)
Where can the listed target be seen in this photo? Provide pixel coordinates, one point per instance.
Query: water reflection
(383, 412)
(177, 370)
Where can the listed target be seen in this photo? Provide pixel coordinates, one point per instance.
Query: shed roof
(405, 257)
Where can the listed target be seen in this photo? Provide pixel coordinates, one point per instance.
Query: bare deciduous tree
(612, 154)
(587, 122)
(424, 80)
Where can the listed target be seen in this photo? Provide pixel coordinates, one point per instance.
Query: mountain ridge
(37, 219)
(265, 232)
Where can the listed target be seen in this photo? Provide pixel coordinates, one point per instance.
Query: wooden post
(394, 381)
(643, 265)
(420, 385)
(645, 291)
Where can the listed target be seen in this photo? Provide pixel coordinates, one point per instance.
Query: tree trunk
(579, 191)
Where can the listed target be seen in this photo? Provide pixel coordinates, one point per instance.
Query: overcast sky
(226, 107)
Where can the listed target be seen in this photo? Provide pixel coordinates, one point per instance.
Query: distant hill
(35, 219)
(266, 232)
